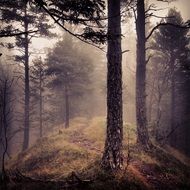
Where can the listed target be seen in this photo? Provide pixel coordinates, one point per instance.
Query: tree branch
(187, 26)
(4, 34)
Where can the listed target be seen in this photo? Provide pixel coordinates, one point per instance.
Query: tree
(70, 74)
(23, 19)
(142, 39)
(173, 47)
(6, 114)
(113, 156)
(37, 89)
(158, 89)
(183, 92)
(141, 115)
(86, 13)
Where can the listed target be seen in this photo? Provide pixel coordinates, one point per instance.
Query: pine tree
(113, 155)
(172, 43)
(37, 90)
(70, 74)
(24, 18)
(141, 112)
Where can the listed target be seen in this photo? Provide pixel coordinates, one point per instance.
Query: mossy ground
(79, 149)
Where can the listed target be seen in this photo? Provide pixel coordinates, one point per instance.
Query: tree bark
(27, 89)
(67, 107)
(141, 115)
(113, 155)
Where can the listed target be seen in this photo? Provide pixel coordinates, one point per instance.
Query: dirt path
(148, 174)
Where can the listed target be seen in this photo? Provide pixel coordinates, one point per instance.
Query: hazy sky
(182, 5)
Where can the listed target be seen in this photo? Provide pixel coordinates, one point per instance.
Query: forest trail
(80, 148)
(85, 143)
(146, 173)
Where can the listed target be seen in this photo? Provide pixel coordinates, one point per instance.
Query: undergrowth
(79, 149)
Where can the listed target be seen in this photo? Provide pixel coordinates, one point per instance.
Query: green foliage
(68, 66)
(69, 71)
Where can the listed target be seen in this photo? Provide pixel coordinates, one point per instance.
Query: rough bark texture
(142, 132)
(113, 156)
(27, 89)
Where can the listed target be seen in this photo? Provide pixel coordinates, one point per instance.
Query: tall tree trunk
(41, 104)
(113, 156)
(142, 131)
(26, 83)
(67, 107)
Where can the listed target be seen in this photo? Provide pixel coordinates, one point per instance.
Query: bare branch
(186, 26)
(4, 34)
(78, 36)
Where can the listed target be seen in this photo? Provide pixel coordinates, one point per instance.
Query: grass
(79, 148)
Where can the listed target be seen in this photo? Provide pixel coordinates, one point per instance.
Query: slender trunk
(142, 131)
(172, 106)
(113, 155)
(5, 125)
(67, 107)
(41, 104)
(151, 102)
(187, 132)
(158, 117)
(187, 117)
(26, 83)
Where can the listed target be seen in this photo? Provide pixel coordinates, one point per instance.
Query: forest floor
(79, 149)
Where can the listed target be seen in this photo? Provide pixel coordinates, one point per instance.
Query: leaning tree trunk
(67, 107)
(142, 131)
(27, 89)
(113, 156)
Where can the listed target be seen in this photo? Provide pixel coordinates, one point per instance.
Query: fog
(93, 104)
(54, 86)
